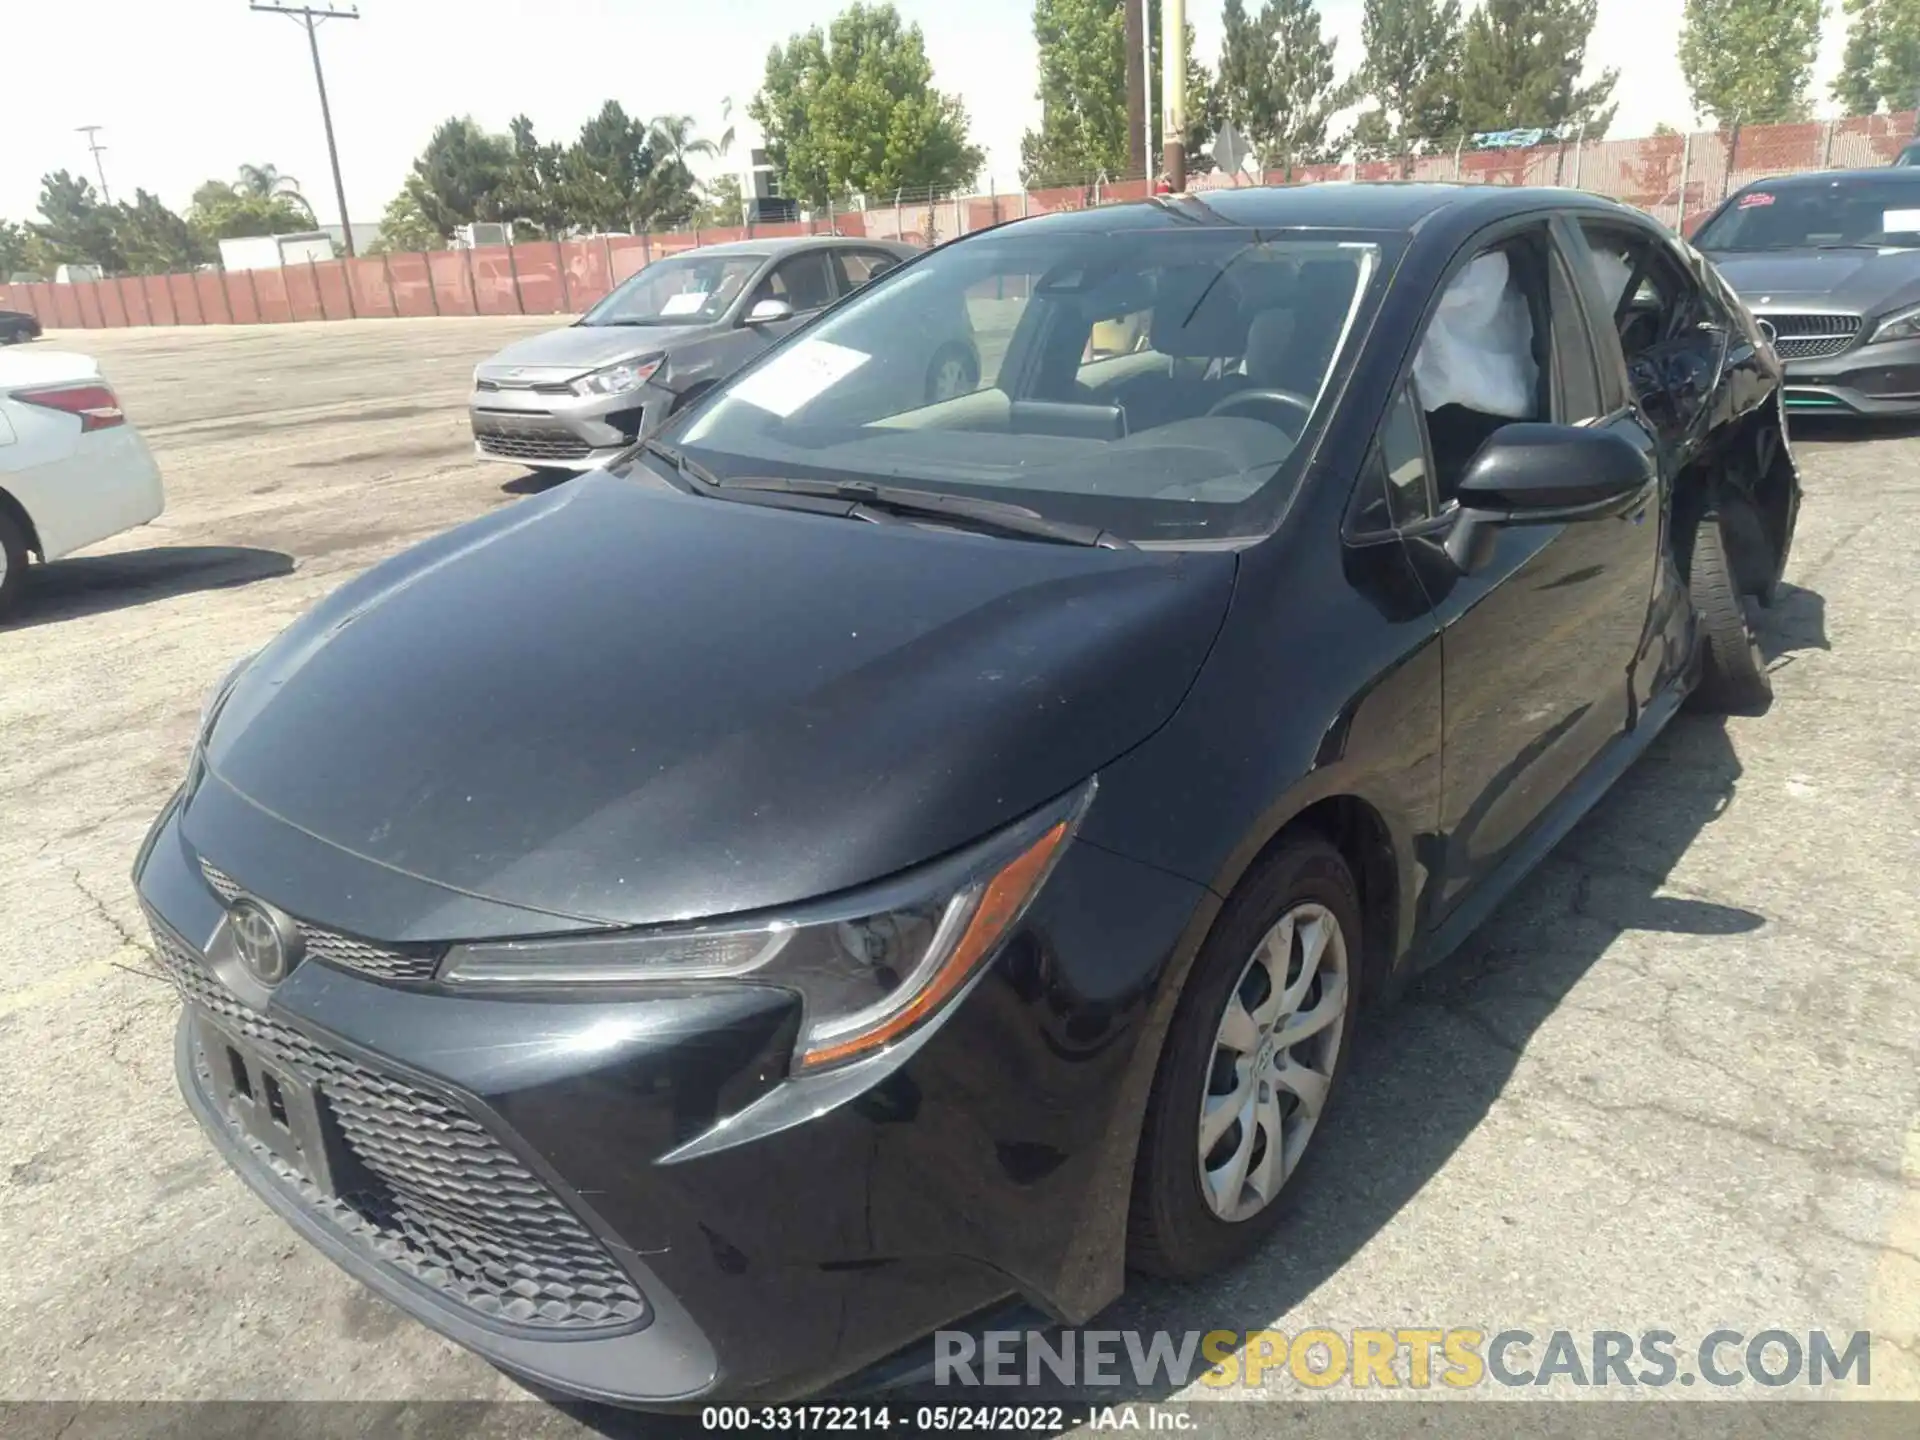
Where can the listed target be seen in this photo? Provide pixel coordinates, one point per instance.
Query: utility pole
(1136, 29)
(92, 132)
(1173, 89)
(311, 17)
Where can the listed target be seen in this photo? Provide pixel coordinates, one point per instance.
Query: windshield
(1153, 383)
(1854, 211)
(683, 290)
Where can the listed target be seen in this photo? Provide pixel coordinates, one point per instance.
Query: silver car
(571, 399)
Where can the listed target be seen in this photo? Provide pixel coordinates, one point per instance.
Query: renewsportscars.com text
(1406, 1357)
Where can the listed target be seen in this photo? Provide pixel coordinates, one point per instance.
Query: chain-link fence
(1678, 179)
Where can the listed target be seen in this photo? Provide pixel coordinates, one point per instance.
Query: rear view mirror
(1531, 474)
(766, 312)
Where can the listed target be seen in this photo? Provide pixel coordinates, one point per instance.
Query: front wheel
(1258, 1042)
(13, 562)
(1734, 678)
(954, 371)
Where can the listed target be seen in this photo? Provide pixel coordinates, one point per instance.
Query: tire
(1174, 1228)
(954, 370)
(13, 562)
(1733, 673)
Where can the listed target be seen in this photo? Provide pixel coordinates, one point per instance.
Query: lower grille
(1810, 336)
(438, 1198)
(330, 946)
(532, 444)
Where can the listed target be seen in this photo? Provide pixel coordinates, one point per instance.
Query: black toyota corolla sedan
(858, 862)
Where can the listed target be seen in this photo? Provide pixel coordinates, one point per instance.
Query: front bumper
(1881, 379)
(774, 1241)
(552, 428)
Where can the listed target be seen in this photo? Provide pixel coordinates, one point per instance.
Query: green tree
(154, 240)
(1882, 60)
(672, 195)
(464, 175)
(1276, 81)
(723, 203)
(1749, 62)
(21, 252)
(607, 170)
(853, 108)
(1083, 94)
(1520, 66)
(266, 182)
(536, 192)
(221, 212)
(404, 224)
(1408, 75)
(74, 227)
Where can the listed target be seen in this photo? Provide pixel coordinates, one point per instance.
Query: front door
(1540, 645)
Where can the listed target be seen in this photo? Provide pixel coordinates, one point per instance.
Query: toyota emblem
(267, 942)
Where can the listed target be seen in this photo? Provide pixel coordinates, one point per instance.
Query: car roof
(1812, 179)
(1364, 205)
(775, 245)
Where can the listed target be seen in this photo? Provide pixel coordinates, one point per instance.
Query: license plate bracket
(274, 1104)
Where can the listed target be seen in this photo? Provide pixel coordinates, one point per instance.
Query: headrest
(1270, 341)
(1198, 313)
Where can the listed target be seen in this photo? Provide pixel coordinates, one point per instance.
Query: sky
(191, 89)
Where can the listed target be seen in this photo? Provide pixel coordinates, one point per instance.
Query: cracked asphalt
(1673, 1084)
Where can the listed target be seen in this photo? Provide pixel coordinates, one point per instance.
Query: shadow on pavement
(536, 482)
(93, 584)
(1428, 1068)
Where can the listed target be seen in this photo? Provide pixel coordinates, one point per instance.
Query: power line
(92, 133)
(310, 17)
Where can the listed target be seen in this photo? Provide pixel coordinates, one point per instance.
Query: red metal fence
(1676, 178)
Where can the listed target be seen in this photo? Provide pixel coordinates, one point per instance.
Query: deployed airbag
(1478, 352)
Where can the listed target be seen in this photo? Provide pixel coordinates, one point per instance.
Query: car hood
(576, 349)
(626, 705)
(1867, 281)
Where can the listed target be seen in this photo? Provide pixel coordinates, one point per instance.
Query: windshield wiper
(684, 465)
(898, 500)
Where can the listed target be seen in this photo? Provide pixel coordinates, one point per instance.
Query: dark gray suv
(573, 398)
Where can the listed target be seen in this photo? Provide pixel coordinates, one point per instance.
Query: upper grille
(1811, 336)
(544, 387)
(437, 1197)
(532, 445)
(331, 946)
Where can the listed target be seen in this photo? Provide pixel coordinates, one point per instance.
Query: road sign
(1230, 149)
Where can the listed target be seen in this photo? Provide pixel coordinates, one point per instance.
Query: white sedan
(72, 470)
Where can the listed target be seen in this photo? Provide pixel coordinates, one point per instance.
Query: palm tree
(265, 182)
(672, 137)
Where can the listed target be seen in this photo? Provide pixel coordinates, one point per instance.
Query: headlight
(1901, 325)
(618, 378)
(868, 972)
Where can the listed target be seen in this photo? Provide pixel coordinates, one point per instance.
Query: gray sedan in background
(571, 399)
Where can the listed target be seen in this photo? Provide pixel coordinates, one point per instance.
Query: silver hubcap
(949, 380)
(1273, 1059)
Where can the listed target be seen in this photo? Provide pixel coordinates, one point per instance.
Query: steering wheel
(1240, 398)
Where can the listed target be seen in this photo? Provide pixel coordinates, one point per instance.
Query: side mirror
(767, 312)
(1531, 474)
